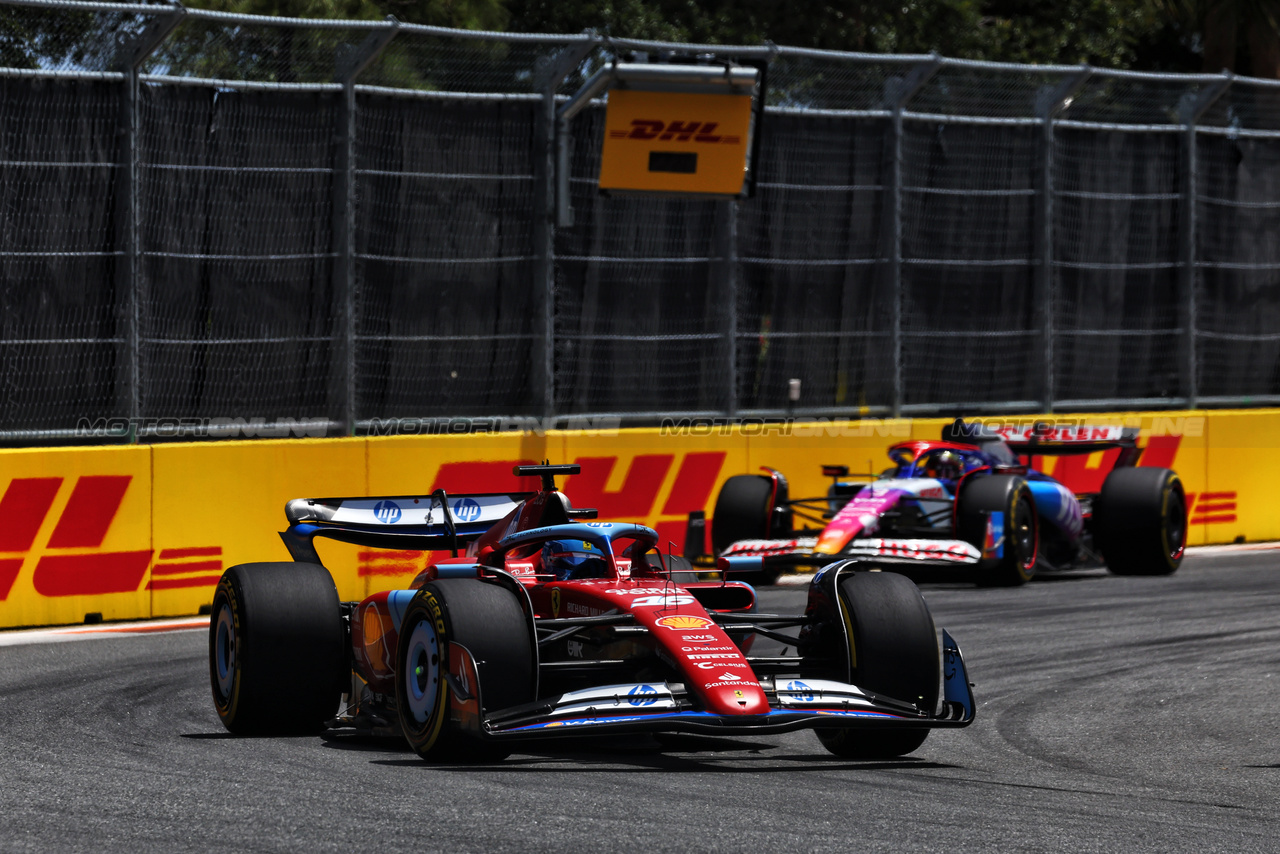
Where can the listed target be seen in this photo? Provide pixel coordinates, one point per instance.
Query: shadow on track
(655, 753)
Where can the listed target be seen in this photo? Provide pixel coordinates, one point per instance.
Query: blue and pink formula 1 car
(552, 625)
(969, 502)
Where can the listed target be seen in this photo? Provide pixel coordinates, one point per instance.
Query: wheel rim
(1024, 536)
(1176, 526)
(224, 646)
(422, 670)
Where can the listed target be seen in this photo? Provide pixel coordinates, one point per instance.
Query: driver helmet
(573, 559)
(945, 465)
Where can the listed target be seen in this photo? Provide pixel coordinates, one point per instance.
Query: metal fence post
(1191, 110)
(898, 92)
(725, 260)
(129, 59)
(1049, 104)
(349, 64)
(551, 166)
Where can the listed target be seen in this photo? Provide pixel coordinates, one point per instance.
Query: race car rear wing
(1048, 439)
(412, 522)
(1051, 439)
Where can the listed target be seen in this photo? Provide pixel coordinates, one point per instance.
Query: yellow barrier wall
(141, 531)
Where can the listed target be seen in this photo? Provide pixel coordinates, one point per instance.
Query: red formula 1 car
(550, 625)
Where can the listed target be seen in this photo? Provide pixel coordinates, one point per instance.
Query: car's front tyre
(893, 651)
(1008, 495)
(487, 620)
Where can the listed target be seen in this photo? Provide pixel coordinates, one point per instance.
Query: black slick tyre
(277, 657)
(1010, 496)
(488, 621)
(744, 511)
(893, 651)
(1140, 521)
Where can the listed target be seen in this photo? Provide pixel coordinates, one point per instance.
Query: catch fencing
(207, 217)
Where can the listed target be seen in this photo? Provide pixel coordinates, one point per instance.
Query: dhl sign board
(75, 535)
(675, 142)
(145, 531)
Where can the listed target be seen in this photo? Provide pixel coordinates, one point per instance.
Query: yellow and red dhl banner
(143, 531)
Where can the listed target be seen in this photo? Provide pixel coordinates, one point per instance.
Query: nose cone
(744, 699)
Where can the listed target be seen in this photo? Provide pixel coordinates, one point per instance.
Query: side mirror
(740, 563)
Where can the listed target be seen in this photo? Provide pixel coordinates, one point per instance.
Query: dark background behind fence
(211, 216)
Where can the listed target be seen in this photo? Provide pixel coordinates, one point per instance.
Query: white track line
(801, 579)
(1232, 548)
(75, 633)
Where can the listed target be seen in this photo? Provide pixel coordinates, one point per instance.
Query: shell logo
(685, 622)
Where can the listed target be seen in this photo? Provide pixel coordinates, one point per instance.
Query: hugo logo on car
(471, 659)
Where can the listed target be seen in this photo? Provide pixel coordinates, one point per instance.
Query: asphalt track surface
(1115, 714)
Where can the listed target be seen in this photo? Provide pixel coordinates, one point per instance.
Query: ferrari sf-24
(544, 623)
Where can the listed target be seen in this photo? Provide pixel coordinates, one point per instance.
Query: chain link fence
(208, 217)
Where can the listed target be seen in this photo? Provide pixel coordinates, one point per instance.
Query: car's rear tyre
(1010, 496)
(745, 510)
(277, 657)
(1140, 521)
(488, 621)
(894, 652)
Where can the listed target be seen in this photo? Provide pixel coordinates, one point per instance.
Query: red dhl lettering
(635, 500)
(1075, 473)
(678, 130)
(1210, 508)
(62, 569)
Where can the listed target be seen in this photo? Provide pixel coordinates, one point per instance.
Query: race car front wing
(663, 707)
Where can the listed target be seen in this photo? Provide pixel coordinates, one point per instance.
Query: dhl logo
(1209, 508)
(1206, 508)
(1075, 473)
(638, 498)
(71, 562)
(657, 488)
(677, 131)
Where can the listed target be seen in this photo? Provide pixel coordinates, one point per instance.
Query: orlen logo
(466, 510)
(65, 566)
(387, 512)
(677, 131)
